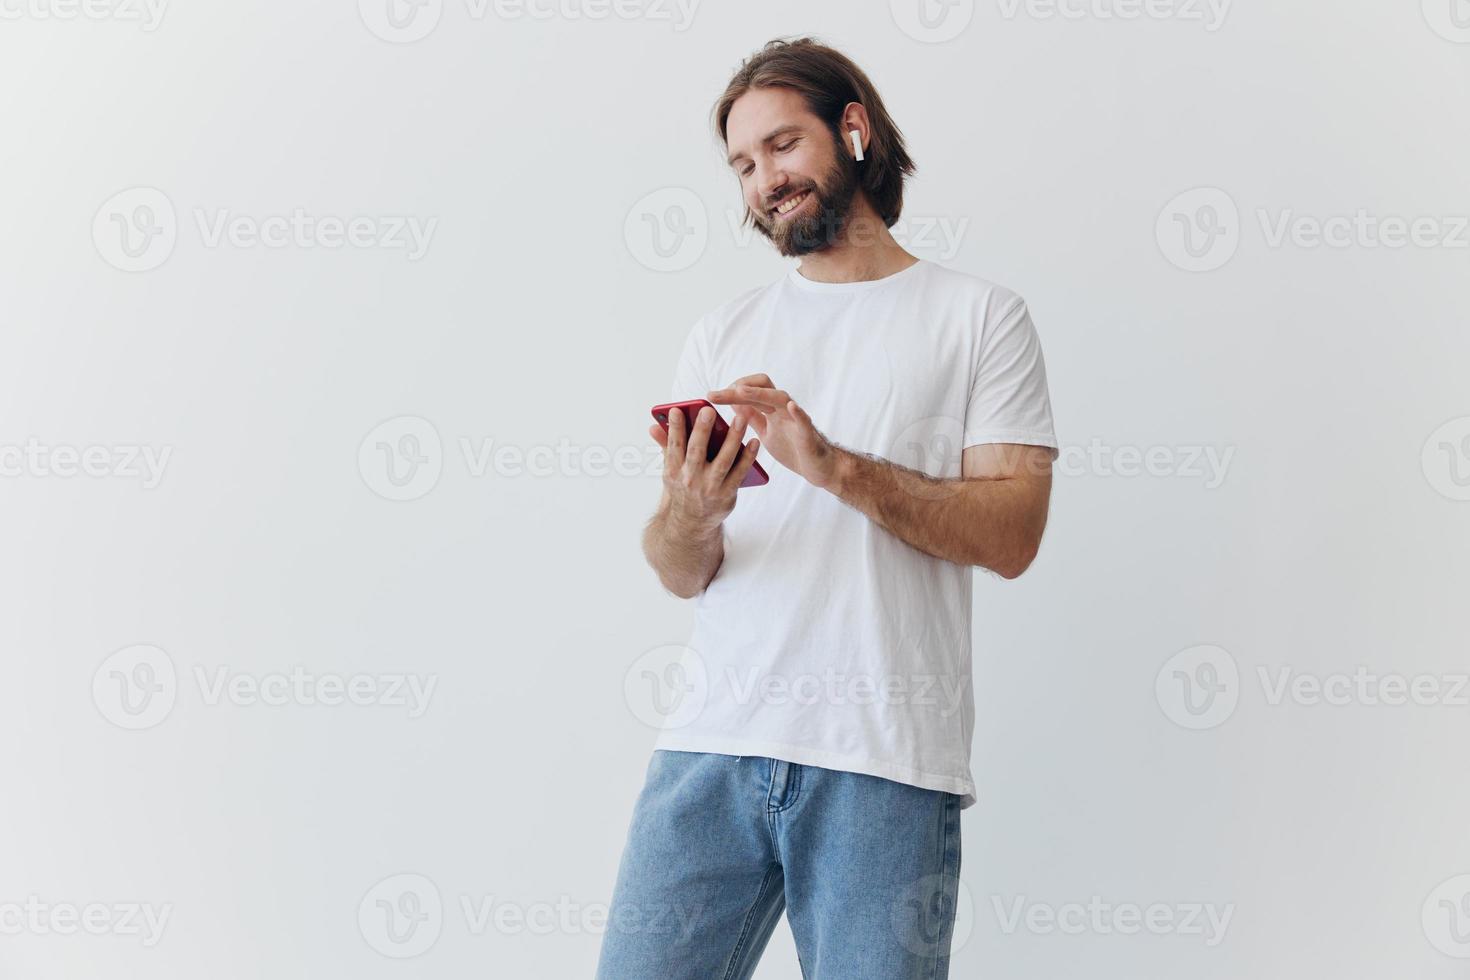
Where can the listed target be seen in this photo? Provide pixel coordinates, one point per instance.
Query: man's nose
(771, 186)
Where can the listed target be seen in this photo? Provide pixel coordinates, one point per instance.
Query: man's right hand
(701, 492)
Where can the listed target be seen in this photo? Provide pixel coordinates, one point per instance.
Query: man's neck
(865, 251)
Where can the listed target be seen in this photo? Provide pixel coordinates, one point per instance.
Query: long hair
(828, 80)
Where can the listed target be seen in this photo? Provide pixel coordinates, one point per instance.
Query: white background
(545, 313)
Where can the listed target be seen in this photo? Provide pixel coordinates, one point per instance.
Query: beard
(817, 223)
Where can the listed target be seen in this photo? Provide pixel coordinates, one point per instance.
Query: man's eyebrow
(773, 134)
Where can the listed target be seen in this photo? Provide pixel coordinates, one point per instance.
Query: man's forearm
(995, 523)
(684, 556)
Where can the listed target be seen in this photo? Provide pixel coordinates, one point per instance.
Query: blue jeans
(867, 870)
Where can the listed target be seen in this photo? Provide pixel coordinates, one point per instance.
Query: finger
(659, 435)
(674, 448)
(754, 380)
(698, 447)
(768, 398)
(743, 464)
(730, 448)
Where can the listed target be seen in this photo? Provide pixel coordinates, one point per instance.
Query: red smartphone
(754, 477)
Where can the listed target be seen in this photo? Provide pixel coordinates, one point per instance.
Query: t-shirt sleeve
(689, 372)
(1009, 400)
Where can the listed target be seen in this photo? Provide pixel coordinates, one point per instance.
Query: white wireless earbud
(857, 143)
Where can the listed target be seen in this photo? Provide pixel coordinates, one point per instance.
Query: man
(820, 758)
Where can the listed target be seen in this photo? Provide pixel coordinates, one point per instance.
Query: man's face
(797, 183)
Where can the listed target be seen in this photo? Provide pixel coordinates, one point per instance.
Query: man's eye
(787, 146)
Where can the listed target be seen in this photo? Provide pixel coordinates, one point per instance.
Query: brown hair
(828, 80)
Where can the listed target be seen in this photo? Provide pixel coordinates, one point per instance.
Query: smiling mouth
(790, 204)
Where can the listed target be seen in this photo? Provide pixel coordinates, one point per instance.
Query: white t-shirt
(824, 639)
